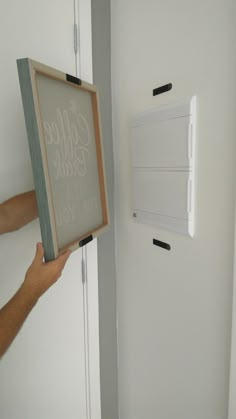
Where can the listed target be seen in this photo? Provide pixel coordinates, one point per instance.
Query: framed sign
(64, 133)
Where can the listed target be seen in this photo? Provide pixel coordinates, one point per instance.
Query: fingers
(39, 253)
(60, 261)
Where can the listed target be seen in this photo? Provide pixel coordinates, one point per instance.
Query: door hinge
(190, 141)
(76, 41)
(83, 272)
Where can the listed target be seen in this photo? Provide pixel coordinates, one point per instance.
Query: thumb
(39, 253)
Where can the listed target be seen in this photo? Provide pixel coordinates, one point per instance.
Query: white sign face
(69, 141)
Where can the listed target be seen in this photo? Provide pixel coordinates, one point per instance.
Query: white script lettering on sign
(71, 132)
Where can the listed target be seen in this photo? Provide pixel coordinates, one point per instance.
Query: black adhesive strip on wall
(162, 89)
(73, 79)
(85, 241)
(163, 245)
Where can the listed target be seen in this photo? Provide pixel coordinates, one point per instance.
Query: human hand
(40, 275)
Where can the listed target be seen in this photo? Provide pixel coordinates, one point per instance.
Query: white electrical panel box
(163, 148)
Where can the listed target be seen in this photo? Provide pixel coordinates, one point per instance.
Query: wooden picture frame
(64, 134)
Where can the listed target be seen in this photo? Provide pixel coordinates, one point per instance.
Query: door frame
(232, 371)
(84, 70)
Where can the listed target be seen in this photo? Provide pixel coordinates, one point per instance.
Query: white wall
(174, 308)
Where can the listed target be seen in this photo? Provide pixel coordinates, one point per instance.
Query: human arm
(18, 211)
(39, 277)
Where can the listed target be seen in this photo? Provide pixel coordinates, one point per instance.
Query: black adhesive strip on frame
(163, 245)
(73, 79)
(85, 241)
(162, 89)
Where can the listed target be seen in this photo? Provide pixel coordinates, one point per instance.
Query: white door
(45, 373)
